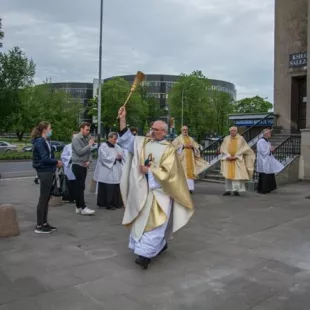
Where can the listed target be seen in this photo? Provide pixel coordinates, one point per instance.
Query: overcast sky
(230, 40)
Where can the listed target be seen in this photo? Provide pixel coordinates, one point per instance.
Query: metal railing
(285, 152)
(250, 133)
(212, 152)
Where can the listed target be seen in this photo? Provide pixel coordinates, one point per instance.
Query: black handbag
(58, 183)
(65, 187)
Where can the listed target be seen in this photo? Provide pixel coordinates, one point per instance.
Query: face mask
(49, 134)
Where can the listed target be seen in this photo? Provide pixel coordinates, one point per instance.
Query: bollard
(8, 222)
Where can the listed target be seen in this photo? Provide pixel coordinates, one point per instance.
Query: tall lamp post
(182, 100)
(99, 79)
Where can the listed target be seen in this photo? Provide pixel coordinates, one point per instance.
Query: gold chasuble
(242, 167)
(148, 208)
(191, 161)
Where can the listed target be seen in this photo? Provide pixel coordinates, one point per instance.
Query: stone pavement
(237, 253)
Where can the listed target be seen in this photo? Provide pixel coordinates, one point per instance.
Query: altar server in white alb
(267, 165)
(154, 190)
(71, 181)
(108, 173)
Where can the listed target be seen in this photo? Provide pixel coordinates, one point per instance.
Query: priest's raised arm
(126, 139)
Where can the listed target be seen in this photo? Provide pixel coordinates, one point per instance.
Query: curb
(14, 160)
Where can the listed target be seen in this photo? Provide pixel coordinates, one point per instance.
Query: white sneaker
(87, 211)
(77, 210)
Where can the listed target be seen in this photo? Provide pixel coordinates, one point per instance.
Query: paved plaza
(237, 253)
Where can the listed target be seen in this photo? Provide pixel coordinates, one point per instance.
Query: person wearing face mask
(154, 190)
(45, 164)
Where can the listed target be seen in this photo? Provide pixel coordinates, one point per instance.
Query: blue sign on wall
(251, 122)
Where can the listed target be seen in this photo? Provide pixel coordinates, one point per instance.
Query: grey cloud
(229, 40)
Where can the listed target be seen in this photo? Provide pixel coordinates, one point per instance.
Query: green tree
(252, 105)
(1, 33)
(16, 73)
(197, 106)
(153, 106)
(221, 106)
(40, 103)
(114, 94)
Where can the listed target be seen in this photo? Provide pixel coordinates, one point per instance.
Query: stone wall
(291, 21)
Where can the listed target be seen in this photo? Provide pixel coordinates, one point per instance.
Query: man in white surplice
(266, 165)
(108, 173)
(154, 190)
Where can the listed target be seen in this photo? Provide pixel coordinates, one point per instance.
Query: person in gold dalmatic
(237, 162)
(154, 190)
(188, 151)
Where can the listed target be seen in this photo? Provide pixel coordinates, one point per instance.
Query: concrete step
(279, 135)
(214, 176)
(206, 180)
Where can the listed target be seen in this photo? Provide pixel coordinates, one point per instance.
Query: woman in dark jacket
(45, 163)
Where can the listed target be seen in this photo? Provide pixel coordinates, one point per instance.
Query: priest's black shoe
(143, 261)
(226, 194)
(236, 194)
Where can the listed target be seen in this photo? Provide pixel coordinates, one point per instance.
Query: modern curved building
(81, 92)
(159, 85)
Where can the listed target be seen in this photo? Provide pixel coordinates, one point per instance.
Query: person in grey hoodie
(81, 159)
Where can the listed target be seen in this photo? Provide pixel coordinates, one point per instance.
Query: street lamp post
(182, 102)
(99, 79)
(182, 107)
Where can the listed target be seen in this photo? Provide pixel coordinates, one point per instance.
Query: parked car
(27, 148)
(58, 146)
(6, 147)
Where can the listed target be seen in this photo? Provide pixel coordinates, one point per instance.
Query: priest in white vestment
(189, 154)
(108, 173)
(266, 165)
(70, 177)
(154, 190)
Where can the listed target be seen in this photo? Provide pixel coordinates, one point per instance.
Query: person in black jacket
(45, 164)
